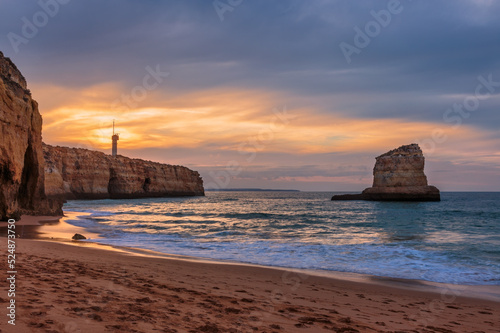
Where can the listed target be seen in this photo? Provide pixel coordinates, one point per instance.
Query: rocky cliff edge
(21, 157)
(75, 173)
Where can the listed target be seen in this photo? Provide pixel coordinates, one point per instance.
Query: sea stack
(21, 158)
(398, 175)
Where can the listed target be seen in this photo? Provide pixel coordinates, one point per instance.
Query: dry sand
(89, 288)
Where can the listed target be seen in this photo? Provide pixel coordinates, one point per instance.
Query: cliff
(74, 173)
(21, 158)
(398, 175)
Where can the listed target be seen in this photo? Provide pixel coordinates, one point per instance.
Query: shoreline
(45, 225)
(473, 292)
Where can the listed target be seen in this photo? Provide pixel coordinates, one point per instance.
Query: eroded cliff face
(21, 158)
(403, 166)
(74, 173)
(398, 175)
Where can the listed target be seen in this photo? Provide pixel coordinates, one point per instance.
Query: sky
(282, 94)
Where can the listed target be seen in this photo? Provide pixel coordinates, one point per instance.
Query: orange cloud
(230, 120)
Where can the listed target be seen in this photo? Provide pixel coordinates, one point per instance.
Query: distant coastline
(248, 190)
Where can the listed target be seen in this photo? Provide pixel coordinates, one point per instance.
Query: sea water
(455, 241)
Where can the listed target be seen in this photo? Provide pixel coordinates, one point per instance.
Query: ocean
(453, 241)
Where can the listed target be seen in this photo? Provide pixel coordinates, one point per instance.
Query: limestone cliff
(21, 158)
(398, 175)
(74, 173)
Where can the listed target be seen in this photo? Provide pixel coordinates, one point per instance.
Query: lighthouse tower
(115, 138)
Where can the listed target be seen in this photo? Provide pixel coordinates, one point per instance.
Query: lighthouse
(115, 138)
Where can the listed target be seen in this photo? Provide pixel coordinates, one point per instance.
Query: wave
(450, 242)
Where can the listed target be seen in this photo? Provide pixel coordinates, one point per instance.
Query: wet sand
(89, 288)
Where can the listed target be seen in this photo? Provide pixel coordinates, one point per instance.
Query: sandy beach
(83, 287)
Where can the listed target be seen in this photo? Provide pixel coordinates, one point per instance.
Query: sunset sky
(282, 94)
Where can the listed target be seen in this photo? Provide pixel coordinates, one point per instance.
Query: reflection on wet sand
(48, 227)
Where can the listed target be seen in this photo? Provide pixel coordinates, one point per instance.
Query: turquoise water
(456, 240)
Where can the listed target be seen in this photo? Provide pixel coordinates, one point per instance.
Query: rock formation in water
(398, 175)
(75, 173)
(21, 158)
